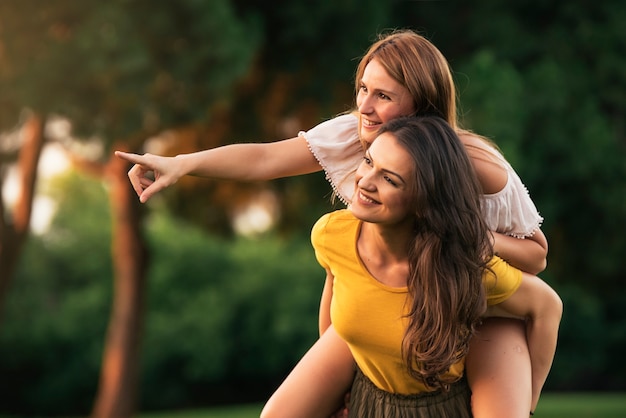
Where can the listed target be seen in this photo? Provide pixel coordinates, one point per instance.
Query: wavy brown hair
(449, 252)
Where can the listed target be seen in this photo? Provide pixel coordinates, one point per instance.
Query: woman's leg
(498, 370)
(316, 387)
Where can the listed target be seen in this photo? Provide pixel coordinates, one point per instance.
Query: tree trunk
(13, 232)
(119, 378)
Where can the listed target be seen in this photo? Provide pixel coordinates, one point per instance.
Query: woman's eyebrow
(384, 170)
(387, 92)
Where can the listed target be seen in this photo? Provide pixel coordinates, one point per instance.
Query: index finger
(130, 157)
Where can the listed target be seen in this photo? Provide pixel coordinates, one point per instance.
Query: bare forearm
(244, 162)
(527, 254)
(251, 162)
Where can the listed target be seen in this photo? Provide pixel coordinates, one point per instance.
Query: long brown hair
(449, 252)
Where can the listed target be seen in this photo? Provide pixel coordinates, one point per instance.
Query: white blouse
(336, 145)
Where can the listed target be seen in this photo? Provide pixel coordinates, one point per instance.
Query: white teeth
(369, 123)
(365, 198)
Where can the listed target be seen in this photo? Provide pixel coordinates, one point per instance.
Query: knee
(268, 411)
(274, 409)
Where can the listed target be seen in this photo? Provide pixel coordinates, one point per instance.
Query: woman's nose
(365, 180)
(365, 105)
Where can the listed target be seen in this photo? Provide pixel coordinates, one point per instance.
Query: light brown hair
(414, 62)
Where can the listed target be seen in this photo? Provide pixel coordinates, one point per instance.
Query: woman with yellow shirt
(411, 272)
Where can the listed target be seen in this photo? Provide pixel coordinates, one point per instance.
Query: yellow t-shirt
(369, 315)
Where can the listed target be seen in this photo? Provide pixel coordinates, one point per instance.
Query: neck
(384, 252)
(384, 242)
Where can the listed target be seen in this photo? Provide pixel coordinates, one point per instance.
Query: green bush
(225, 317)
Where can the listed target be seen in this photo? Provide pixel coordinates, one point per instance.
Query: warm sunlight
(53, 161)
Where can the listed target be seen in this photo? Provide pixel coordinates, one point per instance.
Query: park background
(208, 294)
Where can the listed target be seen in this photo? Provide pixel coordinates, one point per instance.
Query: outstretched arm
(246, 162)
(542, 308)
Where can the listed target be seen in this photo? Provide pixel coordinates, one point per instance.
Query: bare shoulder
(489, 169)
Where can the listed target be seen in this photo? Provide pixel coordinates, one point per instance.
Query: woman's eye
(389, 180)
(367, 160)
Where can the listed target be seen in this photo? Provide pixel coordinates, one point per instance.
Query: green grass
(582, 405)
(241, 411)
(552, 405)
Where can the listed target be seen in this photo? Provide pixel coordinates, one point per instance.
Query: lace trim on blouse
(336, 146)
(511, 210)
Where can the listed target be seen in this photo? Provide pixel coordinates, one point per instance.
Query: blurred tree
(56, 315)
(122, 71)
(15, 222)
(23, 153)
(303, 74)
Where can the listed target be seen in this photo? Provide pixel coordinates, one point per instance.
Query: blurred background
(208, 294)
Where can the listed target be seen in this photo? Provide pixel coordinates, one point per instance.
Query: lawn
(242, 411)
(582, 405)
(552, 405)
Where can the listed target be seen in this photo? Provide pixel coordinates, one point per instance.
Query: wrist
(183, 165)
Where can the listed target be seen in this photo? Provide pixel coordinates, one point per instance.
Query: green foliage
(121, 68)
(491, 92)
(317, 42)
(582, 342)
(226, 319)
(52, 335)
(223, 313)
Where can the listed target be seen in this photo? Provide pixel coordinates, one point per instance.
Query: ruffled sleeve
(511, 211)
(336, 146)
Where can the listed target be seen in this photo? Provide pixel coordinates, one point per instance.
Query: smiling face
(380, 98)
(384, 192)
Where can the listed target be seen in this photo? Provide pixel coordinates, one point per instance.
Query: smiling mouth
(365, 198)
(369, 123)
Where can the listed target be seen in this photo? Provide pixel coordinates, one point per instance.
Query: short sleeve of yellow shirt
(501, 280)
